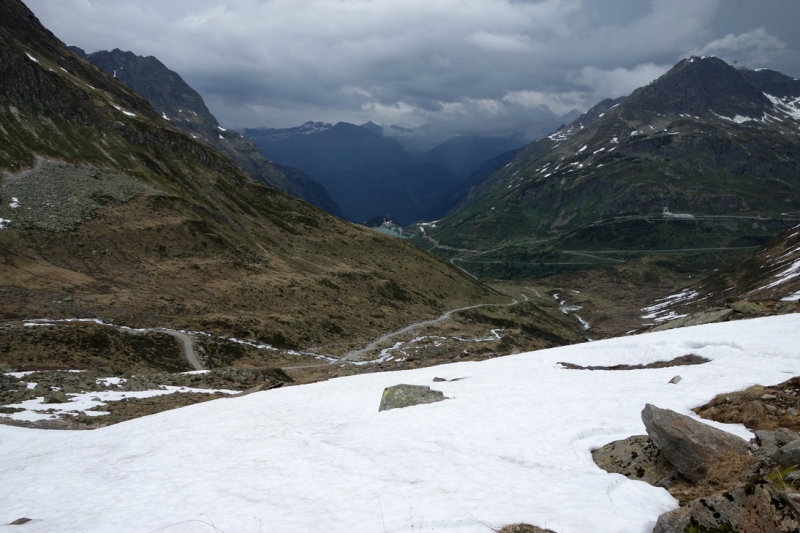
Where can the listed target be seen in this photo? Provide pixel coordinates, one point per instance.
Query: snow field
(513, 443)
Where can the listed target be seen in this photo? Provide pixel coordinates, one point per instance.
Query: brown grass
(748, 408)
(523, 528)
(722, 475)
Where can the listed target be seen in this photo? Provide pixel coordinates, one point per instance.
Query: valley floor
(511, 444)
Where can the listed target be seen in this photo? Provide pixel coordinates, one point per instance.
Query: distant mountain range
(369, 174)
(707, 155)
(177, 102)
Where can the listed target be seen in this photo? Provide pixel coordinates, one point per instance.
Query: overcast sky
(467, 66)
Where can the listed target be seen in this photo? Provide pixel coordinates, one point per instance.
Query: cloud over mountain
(484, 65)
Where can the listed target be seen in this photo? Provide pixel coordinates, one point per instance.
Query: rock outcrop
(636, 458)
(400, 396)
(688, 444)
(758, 508)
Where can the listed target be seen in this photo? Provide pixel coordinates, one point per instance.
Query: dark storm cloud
(468, 66)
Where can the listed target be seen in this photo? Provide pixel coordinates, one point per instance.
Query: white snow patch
(790, 272)
(221, 128)
(164, 116)
(4, 222)
(14, 203)
(614, 140)
(584, 148)
(320, 457)
(738, 119)
(662, 304)
(789, 105)
(598, 151)
(81, 403)
(127, 113)
(32, 58)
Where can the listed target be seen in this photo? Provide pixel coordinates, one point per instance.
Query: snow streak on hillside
(511, 444)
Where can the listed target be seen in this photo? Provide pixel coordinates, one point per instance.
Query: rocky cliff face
(176, 101)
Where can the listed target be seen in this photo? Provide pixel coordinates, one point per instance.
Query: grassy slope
(206, 247)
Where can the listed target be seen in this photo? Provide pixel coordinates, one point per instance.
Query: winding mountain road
(355, 355)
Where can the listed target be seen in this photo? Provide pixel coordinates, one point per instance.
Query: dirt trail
(356, 355)
(188, 347)
(185, 339)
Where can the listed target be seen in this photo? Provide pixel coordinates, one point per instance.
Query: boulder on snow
(756, 508)
(56, 397)
(400, 396)
(636, 458)
(688, 444)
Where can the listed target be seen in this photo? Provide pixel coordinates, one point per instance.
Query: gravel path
(356, 355)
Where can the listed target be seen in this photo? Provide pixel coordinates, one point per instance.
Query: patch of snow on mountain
(789, 105)
(792, 297)
(790, 272)
(126, 113)
(32, 58)
(14, 203)
(662, 304)
(3, 223)
(738, 119)
(584, 148)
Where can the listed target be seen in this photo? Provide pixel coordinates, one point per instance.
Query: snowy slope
(512, 444)
(771, 273)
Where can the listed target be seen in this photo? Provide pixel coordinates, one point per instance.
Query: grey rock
(400, 396)
(438, 380)
(676, 379)
(688, 444)
(767, 441)
(20, 521)
(784, 436)
(788, 454)
(792, 411)
(5, 367)
(636, 458)
(769, 397)
(770, 408)
(56, 397)
(791, 477)
(755, 509)
(251, 390)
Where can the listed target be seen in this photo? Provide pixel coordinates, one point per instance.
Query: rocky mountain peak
(699, 85)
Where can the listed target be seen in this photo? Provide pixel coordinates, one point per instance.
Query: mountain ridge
(177, 102)
(613, 178)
